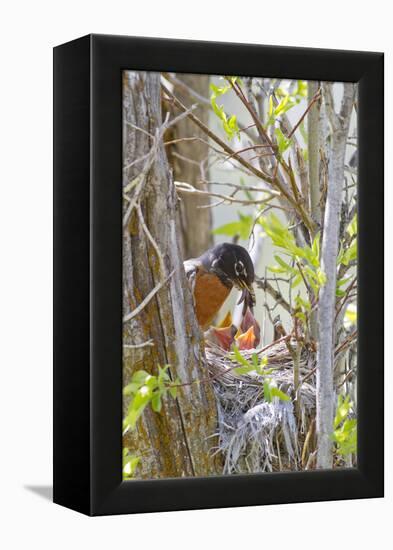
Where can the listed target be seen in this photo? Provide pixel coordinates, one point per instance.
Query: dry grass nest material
(255, 435)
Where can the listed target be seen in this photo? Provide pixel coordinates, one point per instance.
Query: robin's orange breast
(209, 295)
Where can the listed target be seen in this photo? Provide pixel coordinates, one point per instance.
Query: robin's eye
(239, 268)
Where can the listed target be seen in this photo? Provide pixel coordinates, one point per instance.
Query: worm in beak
(247, 296)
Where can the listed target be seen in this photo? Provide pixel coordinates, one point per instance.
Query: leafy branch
(344, 428)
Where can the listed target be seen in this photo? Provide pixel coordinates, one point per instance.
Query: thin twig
(264, 284)
(185, 88)
(316, 97)
(139, 129)
(272, 180)
(184, 187)
(149, 343)
(346, 296)
(146, 300)
(151, 239)
(218, 140)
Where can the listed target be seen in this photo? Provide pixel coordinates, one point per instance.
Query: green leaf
(152, 382)
(239, 357)
(139, 402)
(261, 368)
(297, 280)
(300, 302)
(266, 391)
(321, 276)
(282, 141)
(300, 315)
(276, 269)
(275, 392)
(279, 234)
(352, 228)
(316, 244)
(284, 265)
(230, 125)
(270, 112)
(309, 254)
(270, 390)
(351, 314)
(344, 280)
(285, 104)
(243, 370)
(264, 361)
(345, 429)
(163, 372)
(242, 227)
(343, 407)
(140, 376)
(156, 403)
(312, 278)
(350, 254)
(246, 366)
(231, 229)
(130, 464)
(302, 87)
(130, 389)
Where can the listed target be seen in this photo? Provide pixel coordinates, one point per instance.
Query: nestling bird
(212, 277)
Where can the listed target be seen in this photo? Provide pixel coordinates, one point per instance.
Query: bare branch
(273, 180)
(148, 343)
(264, 284)
(146, 300)
(184, 187)
(185, 88)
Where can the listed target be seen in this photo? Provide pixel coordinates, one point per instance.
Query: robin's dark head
(233, 265)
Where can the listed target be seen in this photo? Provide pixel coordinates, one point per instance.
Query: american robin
(212, 277)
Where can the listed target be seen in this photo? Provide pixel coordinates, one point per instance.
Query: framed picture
(218, 275)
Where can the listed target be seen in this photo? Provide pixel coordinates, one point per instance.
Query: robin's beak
(247, 295)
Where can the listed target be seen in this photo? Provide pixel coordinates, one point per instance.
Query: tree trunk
(326, 312)
(313, 171)
(175, 442)
(313, 153)
(195, 222)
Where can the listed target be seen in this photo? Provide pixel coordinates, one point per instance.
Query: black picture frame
(88, 274)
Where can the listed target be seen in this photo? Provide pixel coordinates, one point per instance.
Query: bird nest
(256, 434)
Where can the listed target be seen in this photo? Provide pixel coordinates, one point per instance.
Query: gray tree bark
(195, 222)
(339, 123)
(313, 153)
(313, 173)
(177, 441)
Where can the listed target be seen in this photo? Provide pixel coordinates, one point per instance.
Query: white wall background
(28, 32)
